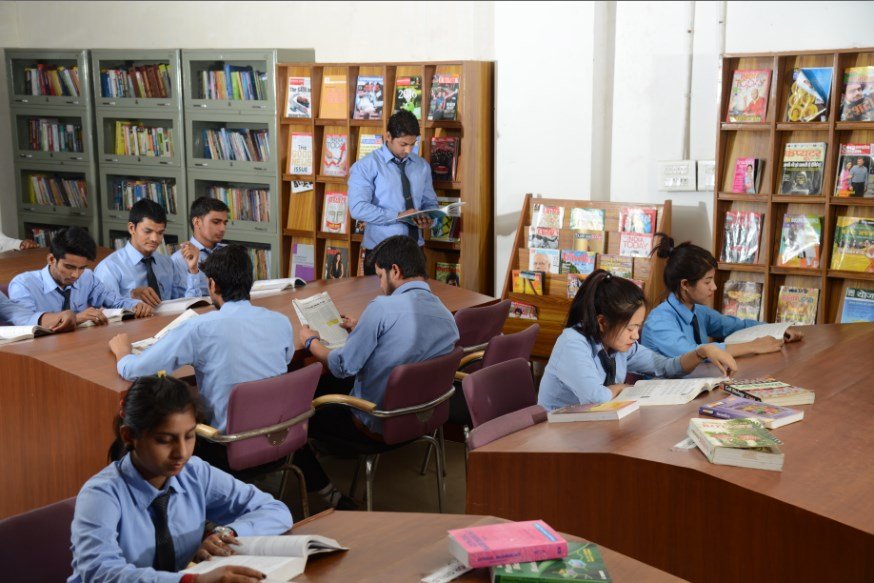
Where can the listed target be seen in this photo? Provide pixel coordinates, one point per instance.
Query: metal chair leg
(354, 485)
(302, 484)
(442, 447)
(439, 457)
(427, 459)
(369, 471)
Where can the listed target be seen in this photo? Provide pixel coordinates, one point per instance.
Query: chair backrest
(414, 384)
(505, 425)
(506, 347)
(499, 389)
(480, 324)
(267, 402)
(36, 544)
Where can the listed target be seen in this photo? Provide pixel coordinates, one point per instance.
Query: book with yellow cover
(528, 282)
(594, 411)
(334, 101)
(797, 305)
(854, 244)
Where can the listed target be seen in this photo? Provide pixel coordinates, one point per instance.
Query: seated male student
(66, 283)
(408, 324)
(15, 314)
(138, 271)
(209, 220)
(236, 343)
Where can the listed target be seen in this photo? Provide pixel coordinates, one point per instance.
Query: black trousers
(858, 188)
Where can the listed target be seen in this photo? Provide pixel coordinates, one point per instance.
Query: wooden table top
(398, 546)
(14, 262)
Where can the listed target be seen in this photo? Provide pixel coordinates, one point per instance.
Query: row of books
(743, 299)
(808, 98)
(532, 281)
(150, 81)
(49, 134)
(245, 204)
(54, 190)
(236, 144)
(369, 98)
(127, 191)
(234, 83)
(51, 80)
(632, 219)
(134, 139)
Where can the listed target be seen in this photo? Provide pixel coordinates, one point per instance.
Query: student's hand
(720, 358)
(616, 389)
(793, 334)
(191, 255)
(231, 574)
(423, 222)
(766, 344)
(216, 545)
(146, 294)
(142, 310)
(120, 346)
(348, 323)
(92, 315)
(59, 321)
(28, 244)
(305, 333)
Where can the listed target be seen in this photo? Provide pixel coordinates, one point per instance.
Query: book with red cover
(444, 157)
(509, 542)
(637, 220)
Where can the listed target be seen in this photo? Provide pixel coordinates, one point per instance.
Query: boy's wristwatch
(223, 530)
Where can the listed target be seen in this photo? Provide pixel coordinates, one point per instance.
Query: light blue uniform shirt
(668, 328)
(376, 195)
(236, 344)
(15, 314)
(182, 265)
(410, 325)
(38, 291)
(123, 271)
(574, 373)
(113, 536)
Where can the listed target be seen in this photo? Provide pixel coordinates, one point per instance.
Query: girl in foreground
(599, 346)
(142, 518)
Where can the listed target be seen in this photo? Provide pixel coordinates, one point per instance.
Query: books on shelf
(634, 244)
(43, 234)
(444, 97)
(734, 407)
(125, 192)
(797, 305)
(244, 144)
(582, 563)
(261, 260)
(134, 139)
(736, 442)
(449, 273)
(300, 154)
(408, 95)
(542, 238)
(55, 190)
(523, 310)
(551, 217)
(668, 391)
(9, 334)
(809, 94)
(336, 262)
(368, 143)
(303, 261)
(574, 283)
(853, 248)
(319, 313)
(577, 262)
(800, 241)
(444, 157)
(857, 101)
(546, 260)
(769, 390)
(748, 174)
(854, 177)
(593, 411)
(335, 155)
(616, 264)
(51, 80)
(858, 306)
(803, 165)
(48, 134)
(233, 83)
(245, 204)
(299, 99)
(334, 212)
(508, 542)
(334, 100)
(634, 219)
(368, 97)
(748, 100)
(447, 227)
(591, 241)
(742, 299)
(144, 81)
(587, 219)
(743, 230)
(528, 282)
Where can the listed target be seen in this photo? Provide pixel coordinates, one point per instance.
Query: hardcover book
(743, 230)
(368, 98)
(368, 143)
(444, 97)
(335, 160)
(748, 100)
(581, 262)
(528, 282)
(803, 165)
(858, 306)
(637, 220)
(334, 101)
(334, 213)
(616, 264)
(574, 283)
(548, 260)
(303, 261)
(336, 262)
(800, 241)
(408, 95)
(747, 175)
(551, 217)
(299, 101)
(809, 95)
(587, 219)
(591, 241)
(449, 273)
(583, 563)
(523, 311)
(797, 305)
(734, 407)
(542, 238)
(854, 177)
(857, 101)
(593, 411)
(769, 390)
(300, 154)
(509, 542)
(742, 299)
(854, 245)
(737, 442)
(444, 157)
(635, 244)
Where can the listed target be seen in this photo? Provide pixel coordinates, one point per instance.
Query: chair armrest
(346, 401)
(206, 431)
(469, 358)
(214, 435)
(459, 376)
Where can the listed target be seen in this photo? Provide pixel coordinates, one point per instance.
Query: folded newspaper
(319, 313)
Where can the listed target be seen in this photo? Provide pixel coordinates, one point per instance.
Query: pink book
(744, 176)
(508, 542)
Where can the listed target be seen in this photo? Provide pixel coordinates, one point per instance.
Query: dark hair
(402, 251)
(603, 294)
(146, 404)
(685, 261)
(75, 241)
(231, 269)
(203, 205)
(403, 123)
(147, 209)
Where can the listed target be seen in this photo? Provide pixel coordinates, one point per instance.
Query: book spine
(740, 393)
(719, 413)
(535, 553)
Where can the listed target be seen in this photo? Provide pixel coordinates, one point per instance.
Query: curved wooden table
(619, 483)
(59, 393)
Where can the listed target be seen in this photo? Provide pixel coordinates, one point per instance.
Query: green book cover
(582, 563)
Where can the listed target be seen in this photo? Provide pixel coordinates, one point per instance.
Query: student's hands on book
(142, 310)
(216, 545)
(92, 315)
(231, 574)
(766, 344)
(120, 346)
(793, 334)
(616, 389)
(146, 295)
(719, 358)
(305, 333)
(422, 221)
(59, 321)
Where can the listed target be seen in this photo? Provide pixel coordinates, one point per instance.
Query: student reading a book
(599, 346)
(15, 314)
(143, 517)
(11, 244)
(683, 322)
(209, 220)
(235, 343)
(409, 324)
(389, 183)
(138, 271)
(66, 283)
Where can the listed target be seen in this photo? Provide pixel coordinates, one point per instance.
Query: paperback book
(769, 390)
(668, 391)
(581, 262)
(508, 542)
(853, 245)
(574, 283)
(587, 219)
(408, 95)
(336, 262)
(582, 563)
(854, 178)
(10, 334)
(800, 241)
(547, 260)
(368, 143)
(335, 159)
(334, 101)
(616, 264)
(809, 95)
(797, 305)
(303, 261)
(444, 97)
(593, 411)
(299, 99)
(542, 238)
(857, 101)
(803, 165)
(858, 306)
(748, 100)
(447, 227)
(551, 217)
(528, 282)
(446, 208)
(334, 213)
(591, 241)
(748, 174)
(737, 442)
(635, 244)
(368, 98)
(449, 273)
(523, 311)
(743, 230)
(742, 299)
(300, 159)
(637, 220)
(734, 407)
(444, 157)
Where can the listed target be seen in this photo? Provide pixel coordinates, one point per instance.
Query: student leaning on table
(144, 516)
(599, 346)
(682, 323)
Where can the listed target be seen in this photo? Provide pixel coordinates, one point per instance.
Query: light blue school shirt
(113, 536)
(182, 265)
(123, 271)
(668, 328)
(376, 195)
(236, 344)
(574, 373)
(16, 314)
(38, 291)
(410, 325)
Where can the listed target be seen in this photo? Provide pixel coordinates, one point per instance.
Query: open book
(749, 334)
(112, 315)
(140, 345)
(269, 287)
(668, 391)
(179, 305)
(451, 210)
(15, 333)
(281, 558)
(319, 313)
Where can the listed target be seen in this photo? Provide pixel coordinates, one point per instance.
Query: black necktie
(151, 280)
(609, 364)
(66, 294)
(695, 330)
(408, 195)
(165, 554)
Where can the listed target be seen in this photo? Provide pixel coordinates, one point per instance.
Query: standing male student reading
(209, 220)
(138, 271)
(390, 183)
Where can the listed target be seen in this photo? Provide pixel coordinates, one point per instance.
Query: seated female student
(142, 518)
(599, 346)
(682, 323)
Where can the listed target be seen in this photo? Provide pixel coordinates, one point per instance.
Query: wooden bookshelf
(553, 306)
(767, 140)
(301, 212)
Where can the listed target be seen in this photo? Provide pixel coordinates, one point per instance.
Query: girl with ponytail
(599, 346)
(682, 322)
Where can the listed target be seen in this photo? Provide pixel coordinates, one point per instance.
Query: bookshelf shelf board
(444, 245)
(835, 201)
(330, 179)
(761, 198)
(803, 126)
(854, 125)
(296, 233)
(366, 123)
(295, 121)
(446, 124)
(800, 199)
(327, 235)
(833, 273)
(748, 267)
(357, 237)
(331, 122)
(746, 127)
(813, 272)
(300, 177)
(447, 185)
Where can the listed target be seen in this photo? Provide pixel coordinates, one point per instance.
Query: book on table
(281, 558)
(140, 345)
(582, 563)
(15, 333)
(668, 391)
(735, 407)
(319, 313)
(737, 442)
(452, 210)
(769, 390)
(775, 330)
(508, 542)
(268, 287)
(112, 315)
(608, 411)
(803, 166)
(858, 305)
(179, 305)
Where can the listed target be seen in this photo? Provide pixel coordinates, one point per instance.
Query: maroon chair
(499, 389)
(476, 326)
(501, 349)
(36, 544)
(504, 425)
(267, 422)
